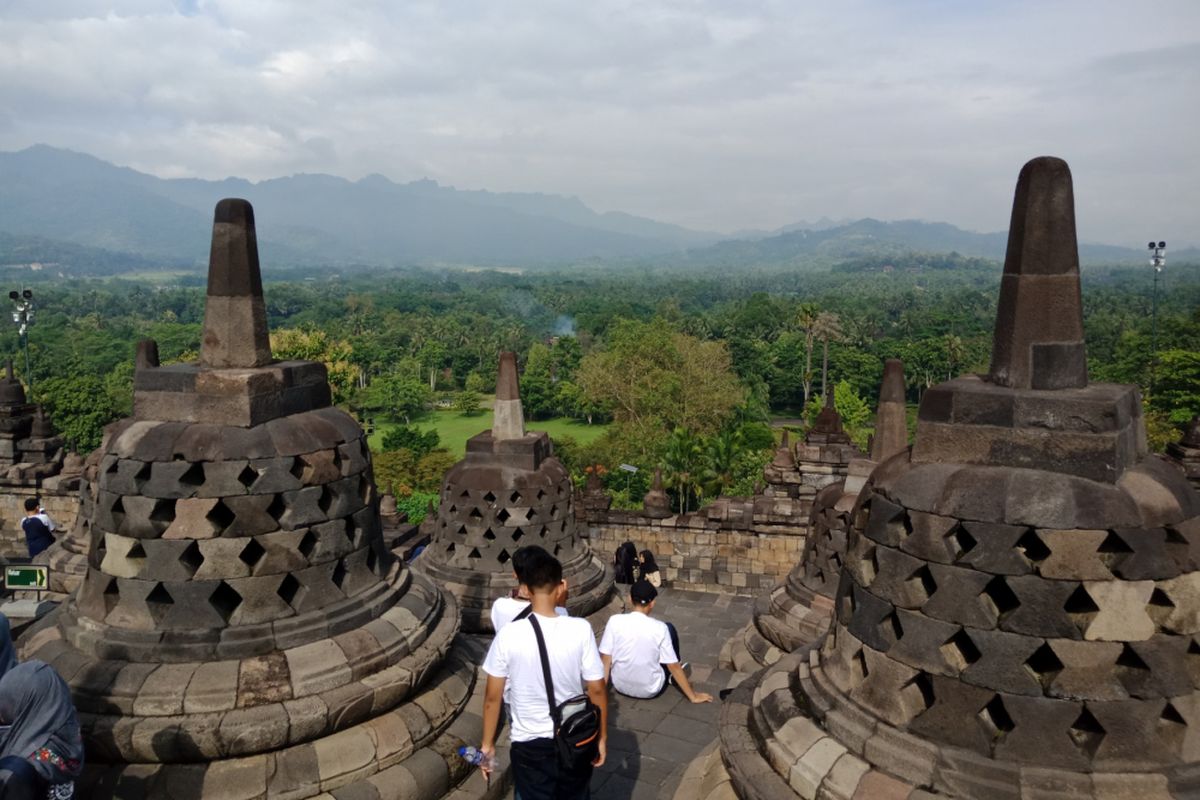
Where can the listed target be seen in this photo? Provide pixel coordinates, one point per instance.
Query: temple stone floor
(651, 742)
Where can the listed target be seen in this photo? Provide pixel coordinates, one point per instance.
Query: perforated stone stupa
(241, 630)
(1019, 612)
(509, 491)
(29, 448)
(797, 612)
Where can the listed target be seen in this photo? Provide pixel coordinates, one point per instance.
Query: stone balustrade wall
(736, 545)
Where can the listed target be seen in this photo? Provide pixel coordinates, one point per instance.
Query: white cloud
(707, 113)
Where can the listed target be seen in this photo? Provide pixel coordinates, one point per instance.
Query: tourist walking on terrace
(37, 532)
(41, 751)
(515, 660)
(641, 654)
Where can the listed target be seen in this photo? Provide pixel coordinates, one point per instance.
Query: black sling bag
(576, 720)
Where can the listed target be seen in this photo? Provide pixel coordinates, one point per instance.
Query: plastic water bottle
(473, 755)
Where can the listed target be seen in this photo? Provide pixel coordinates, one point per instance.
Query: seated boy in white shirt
(514, 661)
(506, 609)
(641, 654)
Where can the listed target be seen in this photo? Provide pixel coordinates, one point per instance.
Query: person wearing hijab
(8, 652)
(649, 569)
(41, 750)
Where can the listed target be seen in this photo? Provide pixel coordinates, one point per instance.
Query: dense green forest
(687, 367)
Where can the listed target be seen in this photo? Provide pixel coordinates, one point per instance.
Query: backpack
(625, 563)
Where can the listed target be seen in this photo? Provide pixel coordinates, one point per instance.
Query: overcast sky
(715, 114)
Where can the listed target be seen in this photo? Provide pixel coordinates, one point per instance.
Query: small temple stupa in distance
(241, 630)
(797, 612)
(509, 491)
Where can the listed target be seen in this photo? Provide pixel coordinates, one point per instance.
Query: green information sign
(26, 577)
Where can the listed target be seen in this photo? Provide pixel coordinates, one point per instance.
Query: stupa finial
(235, 318)
(508, 417)
(891, 426)
(1038, 341)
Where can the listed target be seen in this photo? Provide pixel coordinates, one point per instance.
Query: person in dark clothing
(41, 751)
(37, 533)
(625, 563)
(648, 569)
(8, 652)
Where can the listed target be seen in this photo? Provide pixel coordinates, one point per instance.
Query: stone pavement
(651, 742)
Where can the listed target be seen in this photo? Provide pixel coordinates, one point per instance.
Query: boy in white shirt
(641, 654)
(514, 660)
(506, 609)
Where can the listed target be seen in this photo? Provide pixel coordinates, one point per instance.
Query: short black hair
(522, 556)
(642, 592)
(31, 504)
(542, 570)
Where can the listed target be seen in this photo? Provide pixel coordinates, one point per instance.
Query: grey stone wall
(735, 545)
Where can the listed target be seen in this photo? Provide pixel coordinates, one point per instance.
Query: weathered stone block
(1073, 555)
(960, 597)
(929, 539)
(924, 644)
(213, 688)
(251, 515)
(1038, 606)
(890, 689)
(256, 729)
(1037, 731)
(951, 714)
(994, 548)
(317, 667)
(997, 660)
(1121, 614)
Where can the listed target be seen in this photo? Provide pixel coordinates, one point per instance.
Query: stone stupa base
(410, 752)
(67, 566)
(381, 707)
(789, 732)
(789, 617)
(705, 778)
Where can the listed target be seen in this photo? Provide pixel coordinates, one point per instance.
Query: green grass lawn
(454, 429)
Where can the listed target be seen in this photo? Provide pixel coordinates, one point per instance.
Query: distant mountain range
(305, 219)
(88, 215)
(871, 238)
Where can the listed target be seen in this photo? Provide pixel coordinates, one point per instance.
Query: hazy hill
(58, 194)
(871, 238)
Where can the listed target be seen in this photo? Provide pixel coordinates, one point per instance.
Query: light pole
(22, 317)
(1158, 260)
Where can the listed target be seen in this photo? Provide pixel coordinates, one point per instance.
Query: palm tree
(956, 351)
(679, 464)
(720, 456)
(826, 327)
(806, 320)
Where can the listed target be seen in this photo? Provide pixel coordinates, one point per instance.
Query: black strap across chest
(537, 631)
